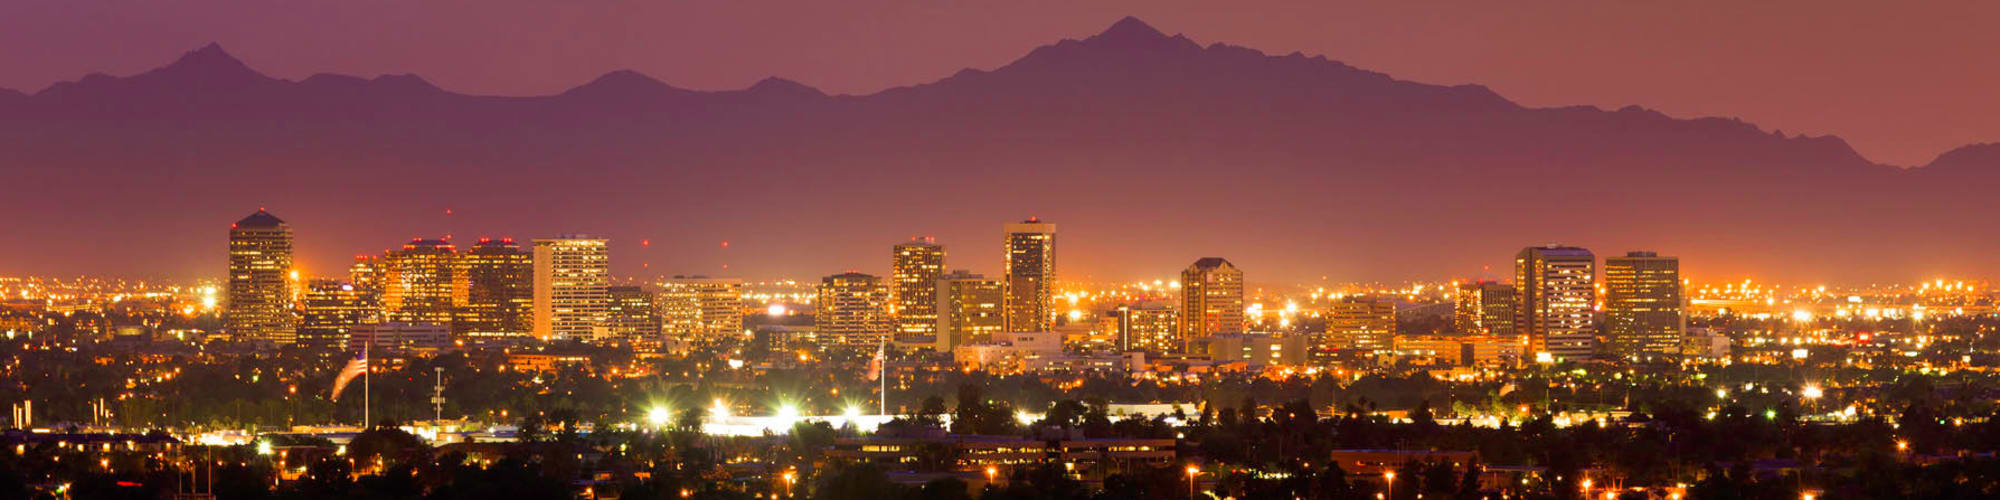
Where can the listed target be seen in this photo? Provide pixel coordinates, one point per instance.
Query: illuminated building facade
(367, 272)
(1365, 324)
(1031, 274)
(1150, 327)
(500, 293)
(1485, 308)
(1557, 286)
(631, 317)
(331, 309)
(261, 280)
(1643, 312)
(571, 274)
(969, 309)
(424, 282)
(1211, 299)
(852, 310)
(913, 275)
(699, 308)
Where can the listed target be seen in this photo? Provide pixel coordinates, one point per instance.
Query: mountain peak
(780, 85)
(211, 55)
(622, 82)
(208, 63)
(1131, 33)
(1131, 28)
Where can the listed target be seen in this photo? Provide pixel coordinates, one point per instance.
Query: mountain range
(1149, 151)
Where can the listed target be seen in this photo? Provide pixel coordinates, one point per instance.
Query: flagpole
(882, 375)
(366, 370)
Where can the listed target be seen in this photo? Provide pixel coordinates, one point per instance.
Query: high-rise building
(1031, 274)
(913, 275)
(1485, 308)
(423, 283)
(1643, 312)
(331, 309)
(571, 273)
(852, 310)
(500, 293)
(701, 309)
(631, 317)
(1557, 286)
(1151, 327)
(969, 309)
(261, 280)
(1364, 324)
(367, 272)
(1211, 299)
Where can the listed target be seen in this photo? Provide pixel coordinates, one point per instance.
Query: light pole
(1192, 471)
(1389, 483)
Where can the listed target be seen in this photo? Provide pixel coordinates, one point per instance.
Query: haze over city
(1331, 188)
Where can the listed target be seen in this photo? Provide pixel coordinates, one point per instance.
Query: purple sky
(1901, 81)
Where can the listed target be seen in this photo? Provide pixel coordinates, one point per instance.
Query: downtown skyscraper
(1211, 299)
(852, 310)
(1366, 324)
(261, 281)
(631, 318)
(697, 309)
(330, 311)
(1030, 275)
(1484, 308)
(968, 309)
(1557, 286)
(913, 275)
(572, 273)
(423, 282)
(500, 293)
(1643, 312)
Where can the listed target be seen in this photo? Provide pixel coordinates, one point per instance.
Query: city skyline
(1003, 251)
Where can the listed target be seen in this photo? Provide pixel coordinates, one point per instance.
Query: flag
(875, 365)
(355, 368)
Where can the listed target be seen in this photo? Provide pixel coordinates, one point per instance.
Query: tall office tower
(700, 308)
(500, 293)
(1031, 275)
(1485, 308)
(331, 309)
(1361, 323)
(631, 317)
(367, 272)
(571, 273)
(261, 280)
(1558, 290)
(852, 310)
(1642, 304)
(913, 275)
(969, 309)
(1211, 299)
(1150, 327)
(423, 282)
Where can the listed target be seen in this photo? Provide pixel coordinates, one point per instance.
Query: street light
(1192, 471)
(991, 473)
(1389, 483)
(658, 416)
(1586, 487)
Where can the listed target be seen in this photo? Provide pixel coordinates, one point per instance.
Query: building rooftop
(260, 219)
(1212, 263)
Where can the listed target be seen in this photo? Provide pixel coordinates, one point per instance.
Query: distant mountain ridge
(1358, 174)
